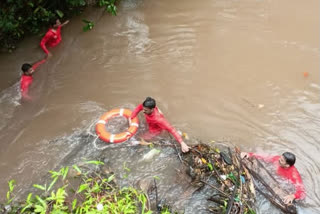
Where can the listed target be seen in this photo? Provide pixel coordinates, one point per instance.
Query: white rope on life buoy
(99, 148)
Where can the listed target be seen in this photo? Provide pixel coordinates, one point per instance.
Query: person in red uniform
(26, 78)
(156, 122)
(53, 36)
(285, 168)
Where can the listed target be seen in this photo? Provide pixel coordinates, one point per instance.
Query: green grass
(93, 193)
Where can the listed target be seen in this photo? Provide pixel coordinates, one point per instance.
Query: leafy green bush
(109, 5)
(22, 17)
(94, 193)
(88, 25)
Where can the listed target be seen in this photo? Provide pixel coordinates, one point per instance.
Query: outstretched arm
(300, 192)
(298, 184)
(136, 111)
(164, 124)
(36, 65)
(266, 158)
(44, 40)
(64, 23)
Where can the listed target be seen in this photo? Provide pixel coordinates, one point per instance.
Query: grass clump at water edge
(86, 191)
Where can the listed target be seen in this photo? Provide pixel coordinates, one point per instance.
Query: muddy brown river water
(220, 70)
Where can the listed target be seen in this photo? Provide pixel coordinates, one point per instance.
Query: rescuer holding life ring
(156, 122)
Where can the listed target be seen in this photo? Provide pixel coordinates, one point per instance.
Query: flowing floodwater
(230, 71)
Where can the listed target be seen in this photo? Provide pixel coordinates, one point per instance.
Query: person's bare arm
(64, 23)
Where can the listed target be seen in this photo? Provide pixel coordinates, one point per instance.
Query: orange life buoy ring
(116, 138)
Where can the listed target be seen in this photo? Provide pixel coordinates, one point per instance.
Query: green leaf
(54, 174)
(77, 168)
(52, 197)
(108, 8)
(95, 162)
(36, 10)
(26, 207)
(11, 185)
(82, 187)
(210, 166)
(89, 180)
(9, 201)
(40, 209)
(232, 177)
(44, 204)
(29, 198)
(251, 211)
(89, 25)
(59, 13)
(65, 173)
(110, 178)
(39, 187)
(114, 10)
(125, 167)
(74, 204)
(52, 183)
(8, 195)
(85, 28)
(156, 177)
(61, 193)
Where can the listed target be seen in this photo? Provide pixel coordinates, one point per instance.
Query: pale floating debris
(151, 154)
(99, 207)
(134, 142)
(223, 177)
(185, 135)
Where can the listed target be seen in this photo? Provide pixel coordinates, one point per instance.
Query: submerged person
(27, 78)
(53, 36)
(285, 169)
(156, 122)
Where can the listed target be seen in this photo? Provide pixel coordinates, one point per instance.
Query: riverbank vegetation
(19, 18)
(89, 188)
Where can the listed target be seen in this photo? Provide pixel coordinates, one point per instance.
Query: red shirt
(52, 38)
(26, 80)
(156, 122)
(290, 173)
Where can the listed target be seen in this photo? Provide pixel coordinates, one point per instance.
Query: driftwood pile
(224, 172)
(233, 180)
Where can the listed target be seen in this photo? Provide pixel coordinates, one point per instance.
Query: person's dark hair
(25, 67)
(149, 103)
(290, 158)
